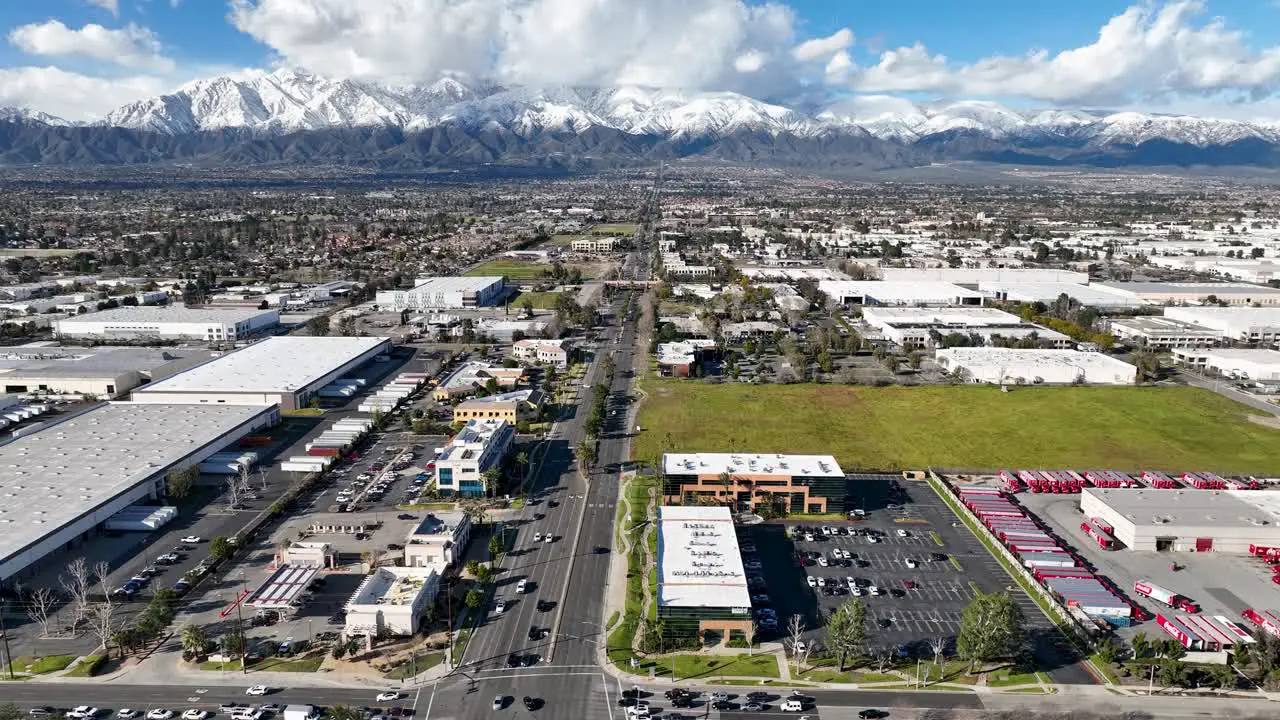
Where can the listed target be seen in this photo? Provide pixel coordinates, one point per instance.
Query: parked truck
(299, 712)
(1165, 596)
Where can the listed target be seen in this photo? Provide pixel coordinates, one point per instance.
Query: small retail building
(799, 483)
(391, 601)
(1187, 520)
(438, 541)
(514, 407)
(702, 586)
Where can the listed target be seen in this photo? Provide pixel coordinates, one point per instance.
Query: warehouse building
(1261, 366)
(1247, 325)
(1187, 520)
(925, 327)
(800, 483)
(1193, 293)
(106, 372)
(1095, 296)
(878, 292)
(167, 322)
(445, 292)
(62, 482)
(287, 371)
(1032, 367)
(1163, 333)
(702, 586)
(975, 276)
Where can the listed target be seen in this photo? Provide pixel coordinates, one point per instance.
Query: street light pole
(244, 651)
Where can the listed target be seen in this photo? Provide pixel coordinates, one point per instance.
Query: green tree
(484, 574)
(1173, 673)
(9, 711)
(343, 712)
(992, 627)
(178, 482)
(1223, 676)
(495, 546)
(220, 548)
(1141, 646)
(586, 453)
(492, 479)
(193, 639)
(474, 598)
(233, 644)
(1107, 651)
(473, 568)
(847, 630)
(318, 325)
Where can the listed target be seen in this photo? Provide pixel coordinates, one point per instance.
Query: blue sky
(81, 58)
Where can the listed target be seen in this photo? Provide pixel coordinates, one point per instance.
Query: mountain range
(295, 117)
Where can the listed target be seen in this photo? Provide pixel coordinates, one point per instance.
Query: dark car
(537, 633)
(683, 701)
(938, 557)
(872, 714)
(530, 660)
(532, 703)
(758, 696)
(724, 705)
(675, 693)
(627, 701)
(545, 605)
(553, 503)
(513, 660)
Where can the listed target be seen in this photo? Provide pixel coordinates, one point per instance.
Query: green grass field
(540, 300)
(614, 229)
(511, 268)
(41, 665)
(970, 427)
(563, 239)
(38, 252)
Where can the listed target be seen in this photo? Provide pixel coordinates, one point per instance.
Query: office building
(702, 586)
(445, 292)
(798, 483)
(478, 447)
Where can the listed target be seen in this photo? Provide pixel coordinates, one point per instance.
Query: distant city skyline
(82, 58)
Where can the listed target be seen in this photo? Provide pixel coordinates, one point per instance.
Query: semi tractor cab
(1165, 596)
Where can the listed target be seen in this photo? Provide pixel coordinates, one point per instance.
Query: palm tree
(522, 461)
(586, 452)
(475, 510)
(193, 639)
(344, 712)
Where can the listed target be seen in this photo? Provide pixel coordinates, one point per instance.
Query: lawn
(271, 664)
(511, 268)
(41, 665)
(90, 666)
(709, 667)
(421, 664)
(540, 300)
(972, 427)
(614, 229)
(564, 239)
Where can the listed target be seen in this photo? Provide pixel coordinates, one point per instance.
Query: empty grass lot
(614, 229)
(540, 300)
(963, 426)
(511, 268)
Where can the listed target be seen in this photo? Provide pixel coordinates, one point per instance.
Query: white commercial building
(975, 276)
(1238, 324)
(1163, 333)
(701, 579)
(285, 370)
(438, 541)
(57, 485)
(1193, 293)
(167, 322)
(1239, 363)
(551, 352)
(1005, 365)
(879, 292)
(445, 292)
(106, 372)
(1187, 520)
(391, 601)
(1097, 296)
(594, 244)
(478, 446)
(923, 327)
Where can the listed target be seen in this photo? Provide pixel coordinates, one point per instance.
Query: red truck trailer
(1165, 596)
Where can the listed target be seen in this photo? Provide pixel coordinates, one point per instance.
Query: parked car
(192, 539)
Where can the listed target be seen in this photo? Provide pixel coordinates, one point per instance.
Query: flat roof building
(57, 485)
(1172, 293)
(1238, 324)
(702, 585)
(929, 327)
(1163, 333)
(974, 276)
(514, 407)
(445, 292)
(1032, 367)
(438, 541)
(797, 483)
(880, 292)
(106, 372)
(145, 323)
(557, 353)
(1097, 296)
(1187, 520)
(1262, 366)
(473, 376)
(284, 370)
(391, 601)
(478, 446)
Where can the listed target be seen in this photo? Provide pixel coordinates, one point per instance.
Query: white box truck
(299, 712)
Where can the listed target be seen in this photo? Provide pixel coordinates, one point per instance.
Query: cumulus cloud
(693, 44)
(111, 6)
(1147, 53)
(131, 46)
(72, 95)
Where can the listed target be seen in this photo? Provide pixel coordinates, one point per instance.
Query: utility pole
(244, 651)
(4, 633)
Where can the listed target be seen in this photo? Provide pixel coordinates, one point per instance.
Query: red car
(908, 584)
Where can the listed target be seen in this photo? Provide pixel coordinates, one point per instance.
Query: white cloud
(72, 95)
(693, 44)
(1150, 52)
(131, 46)
(111, 6)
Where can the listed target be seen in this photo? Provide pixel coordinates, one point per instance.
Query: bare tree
(939, 647)
(233, 490)
(76, 583)
(39, 604)
(102, 622)
(244, 477)
(101, 573)
(262, 477)
(795, 630)
(752, 630)
(884, 656)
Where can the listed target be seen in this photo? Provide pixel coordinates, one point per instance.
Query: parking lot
(912, 606)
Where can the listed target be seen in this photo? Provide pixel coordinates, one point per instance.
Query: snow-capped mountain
(292, 115)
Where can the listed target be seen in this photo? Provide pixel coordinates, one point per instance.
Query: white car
(548, 538)
(257, 690)
(823, 562)
(855, 591)
(522, 586)
(388, 696)
(902, 533)
(910, 563)
(195, 714)
(873, 590)
(719, 696)
(640, 708)
(813, 581)
(498, 701)
(500, 607)
(247, 713)
(850, 582)
(127, 713)
(800, 647)
(826, 530)
(537, 537)
(193, 539)
(808, 537)
(82, 711)
(159, 714)
(873, 539)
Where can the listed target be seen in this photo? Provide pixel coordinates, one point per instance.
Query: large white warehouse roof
(169, 314)
(277, 364)
(57, 476)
